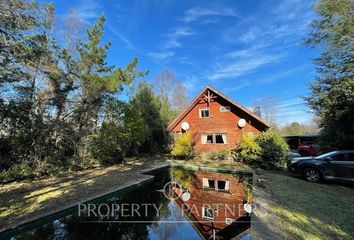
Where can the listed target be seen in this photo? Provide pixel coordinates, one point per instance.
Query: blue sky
(245, 49)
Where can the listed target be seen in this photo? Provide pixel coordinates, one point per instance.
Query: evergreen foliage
(60, 106)
(332, 92)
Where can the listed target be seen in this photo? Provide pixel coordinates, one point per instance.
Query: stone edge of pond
(28, 224)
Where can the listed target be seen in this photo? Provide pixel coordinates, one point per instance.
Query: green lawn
(310, 211)
(298, 209)
(211, 164)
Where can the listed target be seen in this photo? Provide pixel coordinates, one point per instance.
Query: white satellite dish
(241, 123)
(185, 126)
(247, 207)
(186, 196)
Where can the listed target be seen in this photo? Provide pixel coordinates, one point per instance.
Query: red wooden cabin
(216, 122)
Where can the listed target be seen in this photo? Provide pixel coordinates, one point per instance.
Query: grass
(306, 210)
(213, 164)
(298, 209)
(24, 201)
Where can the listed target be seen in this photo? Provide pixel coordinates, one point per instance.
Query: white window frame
(206, 185)
(204, 138)
(206, 217)
(225, 108)
(222, 135)
(202, 109)
(227, 186)
(229, 221)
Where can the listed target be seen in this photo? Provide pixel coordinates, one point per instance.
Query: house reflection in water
(215, 204)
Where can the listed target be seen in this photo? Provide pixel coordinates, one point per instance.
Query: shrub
(248, 151)
(17, 172)
(218, 155)
(182, 147)
(105, 147)
(274, 151)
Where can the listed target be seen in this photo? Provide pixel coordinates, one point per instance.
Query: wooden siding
(218, 122)
(228, 204)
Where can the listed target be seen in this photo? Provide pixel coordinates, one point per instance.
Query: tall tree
(25, 56)
(332, 92)
(171, 93)
(148, 105)
(179, 97)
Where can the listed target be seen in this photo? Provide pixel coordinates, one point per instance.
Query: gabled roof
(195, 101)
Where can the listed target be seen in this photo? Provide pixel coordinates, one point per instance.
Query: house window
(225, 109)
(229, 221)
(221, 185)
(220, 138)
(216, 185)
(204, 112)
(211, 183)
(210, 138)
(208, 213)
(207, 139)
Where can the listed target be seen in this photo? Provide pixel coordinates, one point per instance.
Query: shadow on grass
(311, 211)
(43, 197)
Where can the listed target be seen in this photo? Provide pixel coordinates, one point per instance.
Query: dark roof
(195, 101)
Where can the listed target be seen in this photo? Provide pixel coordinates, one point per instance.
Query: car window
(338, 157)
(350, 156)
(325, 155)
(343, 157)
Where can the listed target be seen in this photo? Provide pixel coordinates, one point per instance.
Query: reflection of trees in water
(77, 228)
(182, 176)
(166, 230)
(247, 182)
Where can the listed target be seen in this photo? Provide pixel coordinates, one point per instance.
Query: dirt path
(22, 202)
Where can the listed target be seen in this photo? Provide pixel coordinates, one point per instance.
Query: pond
(177, 204)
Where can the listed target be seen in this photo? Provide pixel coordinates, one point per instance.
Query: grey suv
(336, 165)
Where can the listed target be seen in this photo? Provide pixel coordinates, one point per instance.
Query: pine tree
(332, 92)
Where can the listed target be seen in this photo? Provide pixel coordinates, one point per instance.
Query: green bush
(182, 147)
(105, 146)
(223, 154)
(274, 150)
(268, 150)
(248, 151)
(17, 172)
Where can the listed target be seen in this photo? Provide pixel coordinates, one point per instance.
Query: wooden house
(216, 122)
(216, 205)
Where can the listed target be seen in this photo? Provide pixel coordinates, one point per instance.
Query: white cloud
(125, 40)
(89, 10)
(285, 23)
(239, 85)
(161, 56)
(173, 38)
(281, 74)
(242, 62)
(172, 41)
(196, 13)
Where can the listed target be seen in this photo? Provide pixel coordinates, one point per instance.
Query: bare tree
(164, 84)
(171, 90)
(268, 108)
(179, 96)
(73, 28)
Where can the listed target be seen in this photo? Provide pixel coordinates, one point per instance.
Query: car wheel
(311, 174)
